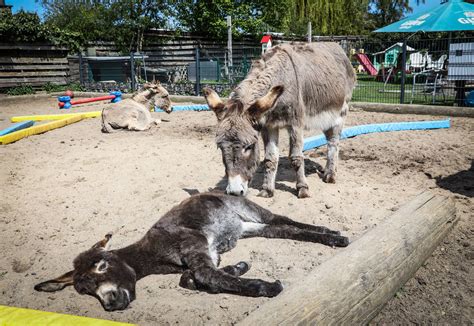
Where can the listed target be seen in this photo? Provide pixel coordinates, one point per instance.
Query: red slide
(365, 62)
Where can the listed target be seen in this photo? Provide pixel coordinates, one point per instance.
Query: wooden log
(351, 287)
(451, 111)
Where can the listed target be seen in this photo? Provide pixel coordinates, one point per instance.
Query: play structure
(352, 287)
(65, 102)
(365, 62)
(22, 316)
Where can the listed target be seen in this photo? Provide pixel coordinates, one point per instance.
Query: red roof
(266, 39)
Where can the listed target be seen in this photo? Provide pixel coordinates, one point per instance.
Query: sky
(32, 5)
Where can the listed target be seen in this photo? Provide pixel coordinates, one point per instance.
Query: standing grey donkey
(296, 87)
(134, 114)
(189, 240)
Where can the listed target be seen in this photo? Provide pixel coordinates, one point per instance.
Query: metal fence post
(198, 72)
(81, 69)
(132, 71)
(404, 63)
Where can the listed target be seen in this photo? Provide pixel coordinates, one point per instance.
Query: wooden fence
(38, 65)
(34, 65)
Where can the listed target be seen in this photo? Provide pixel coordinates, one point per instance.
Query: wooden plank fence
(40, 64)
(34, 65)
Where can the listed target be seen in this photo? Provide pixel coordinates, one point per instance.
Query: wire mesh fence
(432, 71)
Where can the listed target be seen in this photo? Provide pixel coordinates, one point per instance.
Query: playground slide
(365, 62)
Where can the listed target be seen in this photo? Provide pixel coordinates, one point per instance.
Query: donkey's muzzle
(236, 186)
(116, 300)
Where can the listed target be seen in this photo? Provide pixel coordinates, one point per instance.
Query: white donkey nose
(236, 186)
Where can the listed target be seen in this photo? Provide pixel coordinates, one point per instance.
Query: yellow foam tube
(17, 135)
(11, 316)
(92, 114)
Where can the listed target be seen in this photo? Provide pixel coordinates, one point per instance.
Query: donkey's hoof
(303, 193)
(243, 267)
(274, 289)
(187, 281)
(339, 241)
(265, 193)
(329, 177)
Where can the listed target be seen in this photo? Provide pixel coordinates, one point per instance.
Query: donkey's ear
(265, 103)
(102, 243)
(57, 284)
(214, 101)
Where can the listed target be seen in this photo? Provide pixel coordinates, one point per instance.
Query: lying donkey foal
(188, 239)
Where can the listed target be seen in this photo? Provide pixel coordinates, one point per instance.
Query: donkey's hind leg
(296, 233)
(333, 135)
(264, 216)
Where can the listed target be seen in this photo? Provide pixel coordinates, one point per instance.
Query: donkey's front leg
(297, 160)
(270, 163)
(187, 280)
(208, 278)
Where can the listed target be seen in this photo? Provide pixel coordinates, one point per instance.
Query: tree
(121, 21)
(385, 12)
(209, 16)
(329, 17)
(26, 27)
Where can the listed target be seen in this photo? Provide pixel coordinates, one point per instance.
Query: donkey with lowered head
(296, 87)
(188, 239)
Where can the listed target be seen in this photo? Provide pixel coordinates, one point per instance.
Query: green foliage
(209, 17)
(20, 27)
(121, 21)
(329, 17)
(21, 90)
(26, 27)
(75, 24)
(50, 87)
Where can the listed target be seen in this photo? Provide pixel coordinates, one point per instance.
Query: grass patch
(21, 90)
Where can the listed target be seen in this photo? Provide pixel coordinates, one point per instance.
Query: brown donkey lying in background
(188, 239)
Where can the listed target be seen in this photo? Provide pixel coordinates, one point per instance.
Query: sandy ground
(63, 190)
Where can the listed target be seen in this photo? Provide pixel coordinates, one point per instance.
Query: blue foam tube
(320, 140)
(16, 127)
(202, 107)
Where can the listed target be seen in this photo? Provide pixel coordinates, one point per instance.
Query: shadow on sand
(460, 183)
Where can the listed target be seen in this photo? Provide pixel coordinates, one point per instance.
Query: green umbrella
(455, 15)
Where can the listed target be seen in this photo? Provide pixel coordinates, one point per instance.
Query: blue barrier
(320, 140)
(16, 127)
(200, 107)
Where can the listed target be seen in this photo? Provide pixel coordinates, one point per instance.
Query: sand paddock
(64, 190)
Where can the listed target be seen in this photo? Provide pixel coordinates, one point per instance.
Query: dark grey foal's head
(101, 274)
(238, 126)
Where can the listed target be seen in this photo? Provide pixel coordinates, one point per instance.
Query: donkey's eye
(101, 266)
(249, 148)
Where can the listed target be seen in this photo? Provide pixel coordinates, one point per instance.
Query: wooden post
(229, 43)
(351, 287)
(310, 33)
(404, 63)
